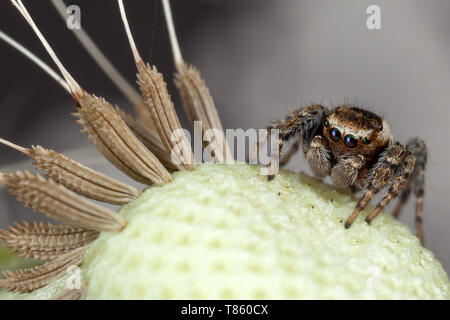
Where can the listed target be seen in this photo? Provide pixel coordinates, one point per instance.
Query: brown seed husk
(45, 241)
(149, 139)
(199, 106)
(117, 143)
(28, 280)
(58, 202)
(81, 179)
(158, 100)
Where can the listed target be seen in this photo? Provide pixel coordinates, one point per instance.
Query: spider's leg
(386, 167)
(292, 150)
(404, 196)
(262, 140)
(274, 161)
(303, 122)
(398, 181)
(418, 148)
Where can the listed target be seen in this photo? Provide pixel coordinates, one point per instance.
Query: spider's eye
(350, 141)
(326, 123)
(365, 140)
(335, 134)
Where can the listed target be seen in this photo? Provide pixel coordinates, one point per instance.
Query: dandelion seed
(149, 139)
(106, 129)
(27, 280)
(35, 59)
(45, 241)
(109, 69)
(157, 99)
(77, 177)
(114, 139)
(195, 95)
(123, 139)
(57, 202)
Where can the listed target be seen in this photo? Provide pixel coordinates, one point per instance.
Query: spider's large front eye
(335, 134)
(350, 141)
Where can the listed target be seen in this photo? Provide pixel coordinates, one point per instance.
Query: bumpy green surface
(10, 261)
(224, 232)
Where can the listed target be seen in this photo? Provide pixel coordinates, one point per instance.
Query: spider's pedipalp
(318, 156)
(347, 170)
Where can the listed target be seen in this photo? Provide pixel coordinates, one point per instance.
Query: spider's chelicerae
(355, 147)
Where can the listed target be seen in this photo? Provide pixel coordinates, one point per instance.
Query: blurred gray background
(261, 59)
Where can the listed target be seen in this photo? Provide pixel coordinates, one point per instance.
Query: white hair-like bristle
(13, 146)
(178, 58)
(128, 90)
(52, 73)
(73, 85)
(134, 49)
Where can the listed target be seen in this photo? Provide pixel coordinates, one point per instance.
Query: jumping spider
(355, 147)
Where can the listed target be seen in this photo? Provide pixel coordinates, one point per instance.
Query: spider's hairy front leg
(292, 150)
(346, 172)
(304, 122)
(381, 175)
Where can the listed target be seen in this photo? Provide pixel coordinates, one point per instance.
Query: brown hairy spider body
(355, 148)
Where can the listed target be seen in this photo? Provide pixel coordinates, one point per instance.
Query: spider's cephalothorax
(355, 147)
